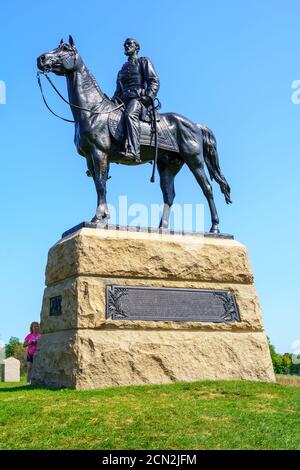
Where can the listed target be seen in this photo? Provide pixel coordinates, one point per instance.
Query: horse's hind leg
(168, 168)
(196, 165)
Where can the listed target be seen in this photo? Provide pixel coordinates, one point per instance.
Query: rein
(39, 73)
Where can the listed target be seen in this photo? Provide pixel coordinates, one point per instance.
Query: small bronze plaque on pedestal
(55, 306)
(170, 304)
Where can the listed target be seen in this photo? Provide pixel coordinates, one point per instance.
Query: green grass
(199, 415)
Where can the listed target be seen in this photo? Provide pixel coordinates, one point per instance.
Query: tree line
(284, 363)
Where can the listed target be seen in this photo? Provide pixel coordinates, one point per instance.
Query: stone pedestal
(81, 347)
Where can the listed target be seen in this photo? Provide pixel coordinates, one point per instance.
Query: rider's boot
(131, 157)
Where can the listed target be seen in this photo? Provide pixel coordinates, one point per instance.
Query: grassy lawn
(199, 415)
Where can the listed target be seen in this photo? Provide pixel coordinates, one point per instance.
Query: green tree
(276, 359)
(272, 350)
(283, 364)
(295, 368)
(287, 363)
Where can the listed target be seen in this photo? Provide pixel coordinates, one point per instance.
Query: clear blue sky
(227, 64)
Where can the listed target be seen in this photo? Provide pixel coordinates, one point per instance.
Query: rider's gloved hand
(146, 100)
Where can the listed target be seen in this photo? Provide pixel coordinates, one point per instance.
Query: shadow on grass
(30, 388)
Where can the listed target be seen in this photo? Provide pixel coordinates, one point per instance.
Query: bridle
(45, 73)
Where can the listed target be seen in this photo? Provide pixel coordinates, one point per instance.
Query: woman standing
(30, 342)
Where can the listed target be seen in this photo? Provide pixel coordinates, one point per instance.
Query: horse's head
(61, 61)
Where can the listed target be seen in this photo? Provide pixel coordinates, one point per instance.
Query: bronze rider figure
(137, 85)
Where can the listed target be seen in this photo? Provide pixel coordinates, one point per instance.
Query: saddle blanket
(165, 139)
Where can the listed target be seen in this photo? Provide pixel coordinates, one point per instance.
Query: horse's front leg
(98, 167)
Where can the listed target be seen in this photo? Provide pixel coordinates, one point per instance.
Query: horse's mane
(95, 83)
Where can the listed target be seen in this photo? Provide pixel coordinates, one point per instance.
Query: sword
(152, 179)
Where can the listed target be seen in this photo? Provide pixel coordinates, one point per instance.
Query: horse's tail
(212, 160)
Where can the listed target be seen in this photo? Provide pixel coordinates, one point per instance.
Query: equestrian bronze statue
(102, 134)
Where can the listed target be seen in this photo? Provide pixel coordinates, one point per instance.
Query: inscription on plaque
(169, 304)
(55, 306)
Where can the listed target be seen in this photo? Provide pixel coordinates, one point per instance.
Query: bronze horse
(91, 109)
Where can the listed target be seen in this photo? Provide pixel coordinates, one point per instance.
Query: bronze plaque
(55, 306)
(170, 304)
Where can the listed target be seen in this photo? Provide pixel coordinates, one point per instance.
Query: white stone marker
(11, 370)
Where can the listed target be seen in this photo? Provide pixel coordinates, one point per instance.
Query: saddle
(165, 139)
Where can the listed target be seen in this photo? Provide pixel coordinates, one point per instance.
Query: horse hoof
(163, 225)
(214, 229)
(99, 221)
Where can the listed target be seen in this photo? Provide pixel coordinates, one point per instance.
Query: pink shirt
(32, 347)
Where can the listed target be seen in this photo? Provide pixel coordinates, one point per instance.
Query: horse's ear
(71, 41)
(61, 42)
